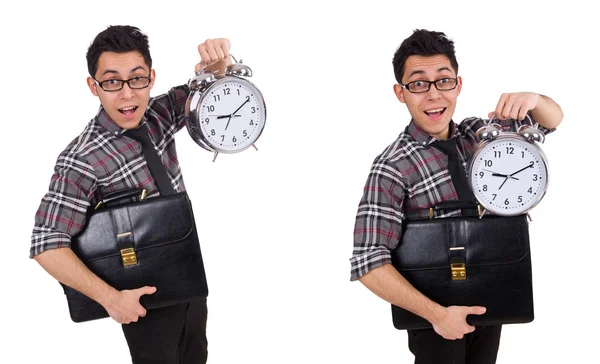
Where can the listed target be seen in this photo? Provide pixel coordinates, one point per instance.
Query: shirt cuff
(363, 263)
(42, 241)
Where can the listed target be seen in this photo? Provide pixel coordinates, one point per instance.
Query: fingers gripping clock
(508, 172)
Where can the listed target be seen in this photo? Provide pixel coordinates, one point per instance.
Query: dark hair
(118, 39)
(423, 43)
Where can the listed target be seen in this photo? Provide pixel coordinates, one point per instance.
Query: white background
(276, 225)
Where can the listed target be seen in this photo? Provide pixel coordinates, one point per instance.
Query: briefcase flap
(159, 221)
(491, 240)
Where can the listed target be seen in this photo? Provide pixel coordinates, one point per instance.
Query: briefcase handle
(112, 197)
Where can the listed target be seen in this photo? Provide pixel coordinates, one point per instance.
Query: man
(401, 184)
(103, 159)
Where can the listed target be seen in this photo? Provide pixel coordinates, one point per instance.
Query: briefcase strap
(467, 208)
(110, 198)
(153, 160)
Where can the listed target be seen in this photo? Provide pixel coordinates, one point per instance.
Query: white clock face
(232, 115)
(508, 176)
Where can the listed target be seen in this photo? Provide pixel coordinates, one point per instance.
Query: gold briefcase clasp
(459, 271)
(128, 256)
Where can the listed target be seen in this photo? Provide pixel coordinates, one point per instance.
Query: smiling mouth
(128, 111)
(435, 113)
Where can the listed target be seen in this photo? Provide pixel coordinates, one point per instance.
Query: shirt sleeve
(169, 108)
(378, 225)
(62, 211)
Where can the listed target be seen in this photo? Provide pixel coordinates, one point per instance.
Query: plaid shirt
(103, 160)
(405, 180)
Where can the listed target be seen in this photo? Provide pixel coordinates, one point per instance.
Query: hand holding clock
(515, 105)
(214, 55)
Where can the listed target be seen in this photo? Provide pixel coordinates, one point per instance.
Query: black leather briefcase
(145, 243)
(468, 261)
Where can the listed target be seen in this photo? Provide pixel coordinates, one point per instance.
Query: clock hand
(504, 175)
(228, 122)
(530, 165)
(238, 109)
(506, 179)
(226, 116)
(498, 174)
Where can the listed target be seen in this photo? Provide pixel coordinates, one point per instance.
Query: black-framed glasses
(420, 86)
(135, 83)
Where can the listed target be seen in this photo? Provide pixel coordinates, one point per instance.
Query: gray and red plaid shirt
(408, 178)
(103, 160)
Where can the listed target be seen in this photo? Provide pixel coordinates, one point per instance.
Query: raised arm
(543, 109)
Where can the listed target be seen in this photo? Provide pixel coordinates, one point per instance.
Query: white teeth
(128, 108)
(434, 110)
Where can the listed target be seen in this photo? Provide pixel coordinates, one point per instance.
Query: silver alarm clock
(227, 113)
(508, 171)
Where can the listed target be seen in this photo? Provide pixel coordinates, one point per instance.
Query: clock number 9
(206, 120)
(480, 174)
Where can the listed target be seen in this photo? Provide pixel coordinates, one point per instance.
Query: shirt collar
(423, 138)
(110, 125)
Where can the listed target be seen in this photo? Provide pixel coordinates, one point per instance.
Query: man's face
(431, 110)
(125, 107)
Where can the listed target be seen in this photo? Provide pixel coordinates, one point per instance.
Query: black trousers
(479, 347)
(169, 335)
